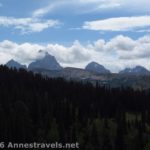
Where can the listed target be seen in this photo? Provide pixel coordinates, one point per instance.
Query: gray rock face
(14, 64)
(95, 67)
(138, 70)
(48, 62)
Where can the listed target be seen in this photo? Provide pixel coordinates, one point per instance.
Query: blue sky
(76, 31)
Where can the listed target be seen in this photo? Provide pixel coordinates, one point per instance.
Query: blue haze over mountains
(137, 77)
(49, 62)
(14, 64)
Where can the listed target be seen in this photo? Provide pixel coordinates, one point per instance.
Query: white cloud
(119, 52)
(77, 6)
(24, 53)
(141, 50)
(44, 10)
(88, 6)
(118, 24)
(27, 25)
(73, 54)
(28, 52)
(121, 43)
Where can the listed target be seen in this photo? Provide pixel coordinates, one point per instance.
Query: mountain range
(138, 70)
(49, 62)
(137, 77)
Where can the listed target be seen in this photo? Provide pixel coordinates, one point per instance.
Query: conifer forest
(42, 109)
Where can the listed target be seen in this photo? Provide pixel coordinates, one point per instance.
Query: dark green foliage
(36, 108)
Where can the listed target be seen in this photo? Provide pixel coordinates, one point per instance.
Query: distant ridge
(14, 64)
(138, 70)
(49, 62)
(95, 67)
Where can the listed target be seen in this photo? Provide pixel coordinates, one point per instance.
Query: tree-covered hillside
(41, 109)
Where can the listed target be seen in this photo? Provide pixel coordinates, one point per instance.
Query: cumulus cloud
(73, 54)
(27, 25)
(115, 54)
(121, 43)
(24, 53)
(28, 52)
(141, 50)
(118, 24)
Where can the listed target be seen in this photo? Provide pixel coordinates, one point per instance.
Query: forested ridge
(42, 109)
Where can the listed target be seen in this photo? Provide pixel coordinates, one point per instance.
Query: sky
(114, 33)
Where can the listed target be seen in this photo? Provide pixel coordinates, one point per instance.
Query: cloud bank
(118, 24)
(117, 53)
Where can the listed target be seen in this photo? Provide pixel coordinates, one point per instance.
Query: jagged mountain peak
(48, 62)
